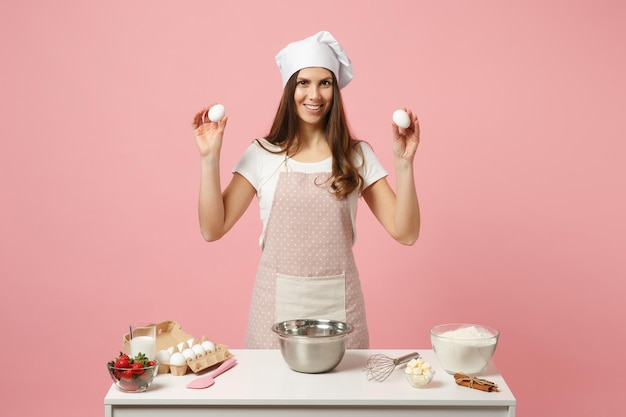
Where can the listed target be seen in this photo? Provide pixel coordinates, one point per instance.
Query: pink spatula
(207, 381)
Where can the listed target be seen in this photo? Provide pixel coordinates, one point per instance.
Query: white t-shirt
(261, 169)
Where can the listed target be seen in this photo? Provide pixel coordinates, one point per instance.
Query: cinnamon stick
(476, 383)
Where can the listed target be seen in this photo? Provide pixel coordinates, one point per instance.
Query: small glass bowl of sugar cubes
(419, 373)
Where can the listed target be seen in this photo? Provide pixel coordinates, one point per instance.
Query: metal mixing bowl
(312, 345)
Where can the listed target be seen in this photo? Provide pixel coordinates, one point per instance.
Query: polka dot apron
(307, 268)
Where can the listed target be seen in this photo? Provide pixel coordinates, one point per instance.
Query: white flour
(466, 350)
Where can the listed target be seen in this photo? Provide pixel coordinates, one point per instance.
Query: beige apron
(307, 268)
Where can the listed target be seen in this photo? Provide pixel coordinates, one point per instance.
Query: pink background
(520, 178)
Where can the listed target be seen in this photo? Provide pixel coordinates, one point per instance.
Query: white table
(261, 384)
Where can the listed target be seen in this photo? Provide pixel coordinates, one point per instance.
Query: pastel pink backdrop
(519, 173)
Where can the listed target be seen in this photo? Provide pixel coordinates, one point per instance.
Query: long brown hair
(345, 174)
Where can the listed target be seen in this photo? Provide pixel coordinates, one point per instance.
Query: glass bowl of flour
(464, 348)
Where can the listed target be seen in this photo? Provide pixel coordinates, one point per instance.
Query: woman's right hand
(208, 134)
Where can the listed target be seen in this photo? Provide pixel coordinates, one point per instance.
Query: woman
(308, 174)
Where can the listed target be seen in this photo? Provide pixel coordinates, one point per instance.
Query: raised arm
(217, 211)
(399, 212)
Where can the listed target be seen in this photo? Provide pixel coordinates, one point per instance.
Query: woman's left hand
(405, 141)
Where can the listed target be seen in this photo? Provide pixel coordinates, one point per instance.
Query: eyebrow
(309, 80)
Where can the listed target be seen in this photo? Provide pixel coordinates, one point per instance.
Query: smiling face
(313, 96)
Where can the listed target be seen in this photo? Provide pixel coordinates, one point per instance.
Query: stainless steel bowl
(312, 346)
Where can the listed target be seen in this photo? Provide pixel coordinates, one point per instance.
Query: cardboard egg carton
(170, 334)
(201, 362)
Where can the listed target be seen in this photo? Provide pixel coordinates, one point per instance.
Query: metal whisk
(380, 366)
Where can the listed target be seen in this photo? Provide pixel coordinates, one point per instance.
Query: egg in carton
(172, 360)
(207, 355)
(177, 365)
(195, 356)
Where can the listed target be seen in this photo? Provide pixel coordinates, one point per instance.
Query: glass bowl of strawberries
(132, 374)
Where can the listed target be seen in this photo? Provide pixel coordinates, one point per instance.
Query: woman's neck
(312, 146)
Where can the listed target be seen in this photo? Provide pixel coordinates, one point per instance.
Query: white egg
(198, 350)
(189, 354)
(177, 359)
(208, 346)
(163, 356)
(216, 113)
(401, 119)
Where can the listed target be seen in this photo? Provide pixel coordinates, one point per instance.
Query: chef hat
(319, 50)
